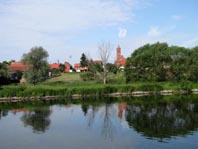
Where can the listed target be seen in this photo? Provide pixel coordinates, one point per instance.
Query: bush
(86, 76)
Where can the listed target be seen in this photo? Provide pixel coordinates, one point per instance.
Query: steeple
(118, 52)
(120, 60)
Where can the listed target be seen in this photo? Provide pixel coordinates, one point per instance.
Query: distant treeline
(160, 62)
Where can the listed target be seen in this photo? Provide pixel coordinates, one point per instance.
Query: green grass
(70, 83)
(65, 77)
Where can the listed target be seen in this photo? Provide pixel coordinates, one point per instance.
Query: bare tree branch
(104, 50)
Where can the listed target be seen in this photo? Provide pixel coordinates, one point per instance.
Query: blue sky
(66, 29)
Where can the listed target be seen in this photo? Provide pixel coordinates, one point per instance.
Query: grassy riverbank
(67, 85)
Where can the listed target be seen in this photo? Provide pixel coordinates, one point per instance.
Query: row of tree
(160, 62)
(151, 62)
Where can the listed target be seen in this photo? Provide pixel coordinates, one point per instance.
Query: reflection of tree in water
(92, 110)
(107, 129)
(85, 108)
(38, 119)
(163, 120)
(3, 113)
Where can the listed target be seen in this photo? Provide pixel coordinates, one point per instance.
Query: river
(132, 123)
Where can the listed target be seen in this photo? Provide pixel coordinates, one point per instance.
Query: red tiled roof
(18, 66)
(77, 65)
(54, 66)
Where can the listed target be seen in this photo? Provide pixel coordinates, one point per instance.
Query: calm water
(123, 125)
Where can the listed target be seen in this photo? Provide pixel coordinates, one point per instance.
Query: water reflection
(106, 112)
(154, 119)
(38, 119)
(85, 108)
(3, 113)
(163, 120)
(107, 124)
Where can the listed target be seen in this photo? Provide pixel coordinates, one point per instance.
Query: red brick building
(14, 66)
(78, 68)
(67, 67)
(56, 66)
(120, 61)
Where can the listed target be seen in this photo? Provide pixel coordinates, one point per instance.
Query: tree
(160, 62)
(112, 68)
(83, 61)
(4, 79)
(104, 50)
(38, 65)
(62, 67)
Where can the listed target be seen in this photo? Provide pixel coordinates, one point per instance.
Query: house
(54, 66)
(78, 68)
(57, 66)
(120, 61)
(67, 67)
(20, 66)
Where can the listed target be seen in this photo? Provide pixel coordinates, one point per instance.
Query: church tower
(120, 60)
(118, 53)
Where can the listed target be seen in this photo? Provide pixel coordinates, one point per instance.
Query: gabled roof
(14, 66)
(77, 65)
(54, 66)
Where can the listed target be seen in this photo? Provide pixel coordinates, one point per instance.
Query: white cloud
(191, 42)
(166, 35)
(177, 17)
(26, 23)
(54, 23)
(154, 31)
(122, 33)
(51, 16)
(138, 3)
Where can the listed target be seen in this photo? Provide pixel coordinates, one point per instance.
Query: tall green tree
(38, 65)
(62, 67)
(83, 61)
(160, 62)
(4, 79)
(193, 65)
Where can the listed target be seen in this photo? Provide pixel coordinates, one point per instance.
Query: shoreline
(116, 95)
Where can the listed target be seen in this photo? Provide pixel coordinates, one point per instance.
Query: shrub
(86, 76)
